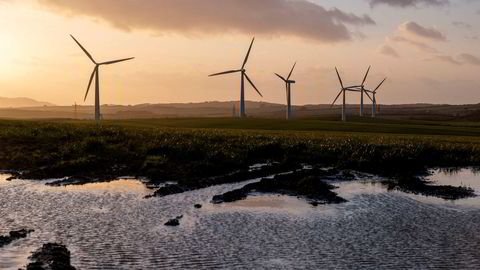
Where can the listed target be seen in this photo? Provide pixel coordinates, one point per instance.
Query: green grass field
(354, 125)
(184, 148)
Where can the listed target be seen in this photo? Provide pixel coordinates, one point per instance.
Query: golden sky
(428, 49)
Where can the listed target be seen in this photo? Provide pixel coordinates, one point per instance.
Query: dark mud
(418, 185)
(234, 177)
(174, 221)
(13, 236)
(302, 183)
(50, 256)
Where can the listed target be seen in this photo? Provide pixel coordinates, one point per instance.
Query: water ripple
(115, 228)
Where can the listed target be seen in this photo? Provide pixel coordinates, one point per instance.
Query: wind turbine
(343, 91)
(362, 90)
(242, 80)
(374, 97)
(288, 84)
(95, 73)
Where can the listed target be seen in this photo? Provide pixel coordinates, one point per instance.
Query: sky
(428, 49)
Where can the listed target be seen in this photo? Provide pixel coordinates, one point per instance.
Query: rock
(172, 222)
(50, 256)
(169, 189)
(179, 217)
(14, 235)
(302, 184)
(198, 206)
(418, 185)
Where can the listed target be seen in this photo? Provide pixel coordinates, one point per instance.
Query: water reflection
(266, 203)
(466, 177)
(121, 185)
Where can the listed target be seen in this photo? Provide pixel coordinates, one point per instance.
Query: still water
(111, 226)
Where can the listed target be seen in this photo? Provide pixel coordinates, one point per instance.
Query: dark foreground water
(111, 226)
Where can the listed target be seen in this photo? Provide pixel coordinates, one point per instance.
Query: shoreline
(79, 153)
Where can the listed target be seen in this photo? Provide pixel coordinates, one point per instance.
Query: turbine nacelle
(243, 71)
(288, 88)
(95, 74)
(287, 80)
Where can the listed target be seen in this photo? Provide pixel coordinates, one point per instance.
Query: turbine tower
(95, 74)
(343, 91)
(362, 90)
(374, 98)
(288, 84)
(244, 76)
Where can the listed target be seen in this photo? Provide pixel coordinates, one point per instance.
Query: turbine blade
(283, 79)
(291, 71)
(339, 78)
(368, 95)
(250, 81)
(84, 50)
(116, 61)
(366, 75)
(90, 82)
(375, 91)
(248, 53)
(336, 98)
(225, 72)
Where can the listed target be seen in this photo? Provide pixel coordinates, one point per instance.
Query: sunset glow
(428, 49)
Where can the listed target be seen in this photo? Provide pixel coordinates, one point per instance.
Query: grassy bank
(189, 149)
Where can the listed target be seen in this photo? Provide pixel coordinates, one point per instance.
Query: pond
(112, 226)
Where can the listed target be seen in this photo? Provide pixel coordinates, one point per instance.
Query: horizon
(218, 101)
(423, 54)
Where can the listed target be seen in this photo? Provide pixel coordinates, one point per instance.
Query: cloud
(463, 58)
(417, 30)
(408, 3)
(299, 18)
(469, 59)
(446, 58)
(388, 50)
(462, 25)
(419, 45)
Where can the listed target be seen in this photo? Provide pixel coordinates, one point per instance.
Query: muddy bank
(418, 185)
(234, 177)
(50, 256)
(13, 236)
(302, 183)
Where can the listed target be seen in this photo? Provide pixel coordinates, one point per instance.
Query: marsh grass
(187, 149)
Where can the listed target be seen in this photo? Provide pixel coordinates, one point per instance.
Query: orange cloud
(409, 3)
(417, 30)
(299, 18)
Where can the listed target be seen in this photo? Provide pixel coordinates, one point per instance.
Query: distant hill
(21, 102)
(43, 110)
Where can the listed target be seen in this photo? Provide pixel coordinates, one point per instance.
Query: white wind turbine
(288, 84)
(362, 90)
(343, 91)
(242, 80)
(95, 73)
(374, 98)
